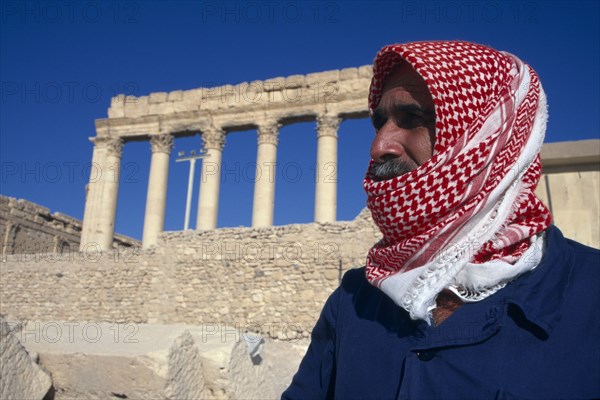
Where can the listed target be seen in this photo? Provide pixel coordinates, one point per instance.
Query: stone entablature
(238, 107)
(27, 228)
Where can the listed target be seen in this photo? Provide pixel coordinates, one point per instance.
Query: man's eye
(404, 120)
(411, 121)
(378, 122)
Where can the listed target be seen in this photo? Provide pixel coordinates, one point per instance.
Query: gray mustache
(390, 169)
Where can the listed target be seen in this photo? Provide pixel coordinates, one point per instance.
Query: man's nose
(388, 143)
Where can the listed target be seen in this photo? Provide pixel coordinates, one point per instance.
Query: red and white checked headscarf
(467, 219)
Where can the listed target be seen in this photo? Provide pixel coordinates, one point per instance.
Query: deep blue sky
(61, 62)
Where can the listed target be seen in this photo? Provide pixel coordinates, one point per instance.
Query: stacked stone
(271, 280)
(27, 228)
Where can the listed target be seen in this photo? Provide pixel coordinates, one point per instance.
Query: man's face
(404, 122)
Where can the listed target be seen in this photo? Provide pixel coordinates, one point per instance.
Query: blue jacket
(539, 337)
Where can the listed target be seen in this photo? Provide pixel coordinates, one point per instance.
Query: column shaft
(210, 179)
(264, 183)
(92, 196)
(101, 200)
(326, 170)
(156, 199)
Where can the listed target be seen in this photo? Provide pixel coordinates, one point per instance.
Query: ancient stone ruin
(327, 97)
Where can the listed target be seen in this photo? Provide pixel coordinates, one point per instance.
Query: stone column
(264, 183)
(210, 179)
(101, 201)
(156, 199)
(326, 170)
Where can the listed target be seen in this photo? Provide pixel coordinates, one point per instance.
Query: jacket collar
(533, 300)
(539, 293)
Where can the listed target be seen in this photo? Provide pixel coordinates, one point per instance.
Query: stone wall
(570, 187)
(27, 228)
(277, 278)
(268, 280)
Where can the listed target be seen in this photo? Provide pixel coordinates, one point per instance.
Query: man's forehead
(405, 76)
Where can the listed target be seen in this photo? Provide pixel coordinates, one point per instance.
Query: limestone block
(117, 107)
(192, 95)
(210, 361)
(157, 97)
(29, 208)
(117, 101)
(357, 86)
(294, 81)
(349, 73)
(116, 112)
(331, 274)
(575, 202)
(160, 108)
(184, 376)
(267, 373)
(20, 376)
(210, 103)
(273, 84)
(176, 95)
(366, 71)
(276, 97)
(322, 77)
(133, 100)
(136, 106)
(101, 360)
(177, 106)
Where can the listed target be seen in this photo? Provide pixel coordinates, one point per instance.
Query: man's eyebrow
(413, 109)
(380, 112)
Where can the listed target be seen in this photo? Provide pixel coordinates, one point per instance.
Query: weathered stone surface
(293, 81)
(102, 360)
(157, 97)
(366, 71)
(234, 276)
(20, 376)
(28, 228)
(266, 375)
(211, 361)
(184, 377)
(323, 77)
(176, 95)
(348, 73)
(276, 99)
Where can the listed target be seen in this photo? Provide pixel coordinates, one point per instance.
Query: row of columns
(102, 192)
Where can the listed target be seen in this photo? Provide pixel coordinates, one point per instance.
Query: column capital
(327, 125)
(113, 145)
(161, 143)
(268, 132)
(214, 138)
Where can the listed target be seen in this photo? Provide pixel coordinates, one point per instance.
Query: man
(471, 293)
